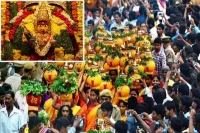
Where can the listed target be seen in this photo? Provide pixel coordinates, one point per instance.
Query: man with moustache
(11, 118)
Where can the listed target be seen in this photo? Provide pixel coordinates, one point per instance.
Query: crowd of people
(171, 96)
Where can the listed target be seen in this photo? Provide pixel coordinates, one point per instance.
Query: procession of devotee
(141, 74)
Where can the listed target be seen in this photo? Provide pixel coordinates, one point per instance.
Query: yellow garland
(24, 57)
(3, 18)
(16, 54)
(69, 57)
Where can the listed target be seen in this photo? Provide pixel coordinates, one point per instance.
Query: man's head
(170, 109)
(166, 41)
(158, 112)
(106, 109)
(151, 23)
(121, 127)
(117, 17)
(164, 71)
(183, 90)
(113, 74)
(157, 44)
(196, 104)
(9, 99)
(90, 25)
(34, 124)
(185, 103)
(28, 67)
(160, 29)
(176, 124)
(18, 66)
(2, 95)
(106, 95)
(62, 125)
(107, 14)
(190, 38)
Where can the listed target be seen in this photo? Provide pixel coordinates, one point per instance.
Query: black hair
(59, 115)
(161, 26)
(118, 13)
(11, 93)
(140, 108)
(115, 70)
(2, 91)
(170, 105)
(85, 89)
(176, 102)
(159, 109)
(185, 123)
(122, 101)
(132, 15)
(186, 101)
(62, 122)
(121, 126)
(107, 106)
(197, 102)
(175, 87)
(24, 77)
(178, 44)
(182, 29)
(188, 50)
(35, 112)
(176, 124)
(158, 40)
(149, 101)
(156, 87)
(114, 9)
(158, 97)
(105, 2)
(184, 69)
(142, 10)
(196, 49)
(194, 92)
(132, 102)
(183, 89)
(191, 37)
(198, 36)
(108, 12)
(96, 92)
(33, 122)
(7, 86)
(17, 69)
(91, 22)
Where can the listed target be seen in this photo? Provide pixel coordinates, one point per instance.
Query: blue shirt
(107, 26)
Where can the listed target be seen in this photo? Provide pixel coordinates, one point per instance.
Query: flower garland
(60, 13)
(18, 20)
(19, 5)
(80, 22)
(3, 20)
(74, 13)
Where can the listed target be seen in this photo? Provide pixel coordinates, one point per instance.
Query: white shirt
(153, 32)
(14, 81)
(117, 26)
(12, 123)
(23, 106)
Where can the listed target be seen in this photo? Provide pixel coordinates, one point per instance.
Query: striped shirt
(160, 60)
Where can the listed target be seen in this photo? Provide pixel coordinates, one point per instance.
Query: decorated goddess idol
(43, 31)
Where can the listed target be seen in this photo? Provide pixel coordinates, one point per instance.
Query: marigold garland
(19, 5)
(3, 20)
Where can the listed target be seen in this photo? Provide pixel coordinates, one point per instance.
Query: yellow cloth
(91, 118)
(170, 83)
(123, 118)
(50, 110)
(75, 109)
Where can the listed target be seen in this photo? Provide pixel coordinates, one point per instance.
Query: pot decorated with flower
(94, 79)
(50, 73)
(105, 83)
(123, 61)
(65, 84)
(33, 90)
(150, 67)
(113, 57)
(79, 66)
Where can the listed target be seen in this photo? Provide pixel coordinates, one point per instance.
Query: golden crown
(43, 12)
